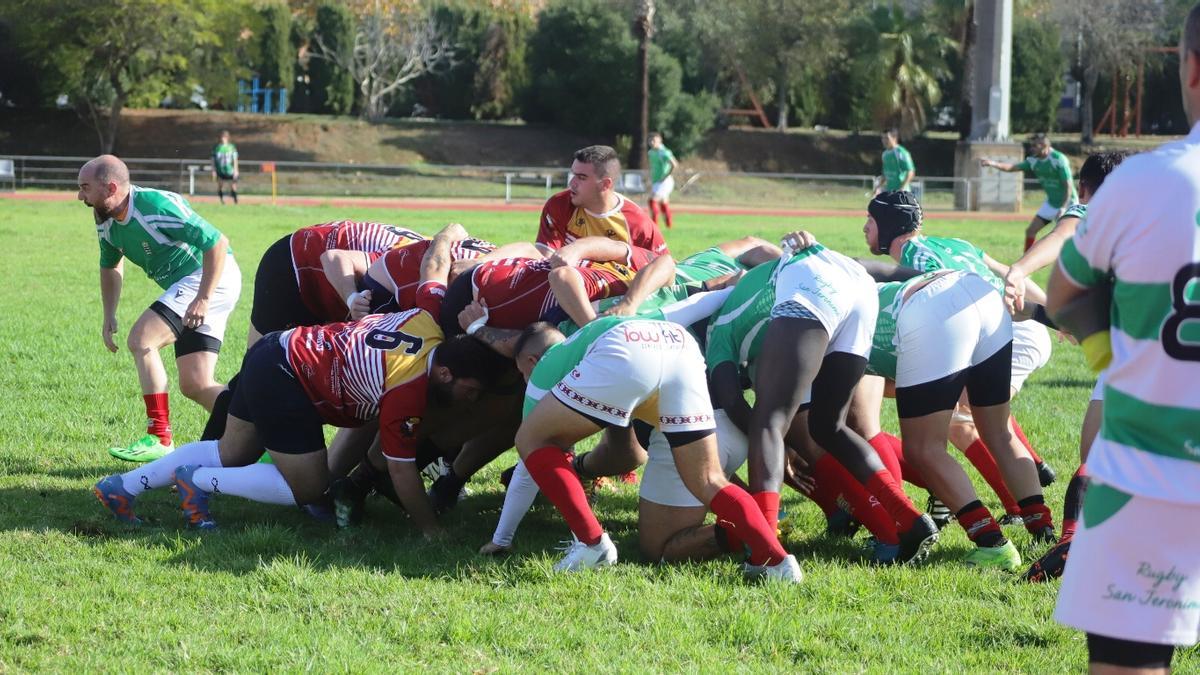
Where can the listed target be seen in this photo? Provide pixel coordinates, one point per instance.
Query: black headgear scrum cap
(897, 212)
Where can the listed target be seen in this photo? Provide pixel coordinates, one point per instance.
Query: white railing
(511, 183)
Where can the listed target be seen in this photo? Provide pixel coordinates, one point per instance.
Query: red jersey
(377, 367)
(403, 264)
(517, 290)
(562, 223)
(308, 243)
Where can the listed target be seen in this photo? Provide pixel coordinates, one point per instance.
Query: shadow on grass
(1064, 383)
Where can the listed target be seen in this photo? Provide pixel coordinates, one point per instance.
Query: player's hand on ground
(798, 240)
(1014, 290)
(107, 331)
(472, 313)
(193, 317)
(491, 548)
(359, 303)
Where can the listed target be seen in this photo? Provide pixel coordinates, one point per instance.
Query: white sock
(522, 490)
(161, 471)
(259, 482)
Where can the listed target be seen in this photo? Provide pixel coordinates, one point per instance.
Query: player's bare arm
(411, 491)
(595, 249)
(435, 266)
(1042, 254)
(343, 269)
(571, 294)
(111, 279)
(213, 265)
(659, 273)
(726, 388)
(1006, 167)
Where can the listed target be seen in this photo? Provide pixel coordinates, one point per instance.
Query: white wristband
(477, 324)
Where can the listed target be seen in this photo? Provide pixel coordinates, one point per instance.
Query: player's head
(224, 136)
(532, 343)
(890, 137)
(103, 184)
(1189, 65)
(1039, 145)
(594, 172)
(891, 215)
(463, 368)
(655, 140)
(1095, 169)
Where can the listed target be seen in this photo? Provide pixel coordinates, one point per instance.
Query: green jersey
(896, 165)
(736, 331)
(160, 233)
(929, 254)
(651, 307)
(883, 349)
(1054, 174)
(660, 163)
(224, 156)
(562, 357)
(1075, 211)
(707, 264)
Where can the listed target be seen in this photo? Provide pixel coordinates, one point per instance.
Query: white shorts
(661, 483)
(651, 370)
(1048, 212)
(220, 305)
(838, 292)
(1031, 350)
(1134, 569)
(1098, 390)
(956, 321)
(662, 190)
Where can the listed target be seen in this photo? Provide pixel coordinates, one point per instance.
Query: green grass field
(273, 590)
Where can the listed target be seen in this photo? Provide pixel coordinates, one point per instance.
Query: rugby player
(822, 322)
(1132, 582)
(225, 167)
(191, 261)
(591, 206)
(662, 178)
(1091, 176)
(389, 284)
(612, 370)
(386, 366)
(898, 167)
(1053, 171)
(904, 240)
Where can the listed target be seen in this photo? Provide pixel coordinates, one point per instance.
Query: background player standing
(1053, 171)
(225, 167)
(898, 167)
(662, 179)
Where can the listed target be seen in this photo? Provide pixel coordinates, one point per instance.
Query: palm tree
(904, 60)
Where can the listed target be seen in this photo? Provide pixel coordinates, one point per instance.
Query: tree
(643, 29)
(278, 59)
(1037, 74)
(900, 61)
(1105, 36)
(331, 84)
(394, 43)
(131, 51)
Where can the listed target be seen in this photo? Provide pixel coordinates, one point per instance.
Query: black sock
(1073, 502)
(214, 428)
(221, 193)
(234, 193)
(580, 471)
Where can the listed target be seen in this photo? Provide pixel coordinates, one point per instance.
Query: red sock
(981, 527)
(551, 469)
(768, 505)
(983, 462)
(654, 210)
(911, 474)
(866, 509)
(732, 505)
(158, 417)
(1029, 241)
(666, 209)
(883, 447)
(1020, 433)
(893, 499)
(1036, 514)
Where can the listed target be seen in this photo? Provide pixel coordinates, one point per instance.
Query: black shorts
(277, 303)
(987, 384)
(269, 396)
(225, 176)
(187, 341)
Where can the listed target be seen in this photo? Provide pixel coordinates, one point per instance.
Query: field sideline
(273, 590)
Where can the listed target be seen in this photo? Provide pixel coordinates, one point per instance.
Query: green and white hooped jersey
(160, 233)
(1143, 229)
(929, 254)
(896, 164)
(562, 357)
(1054, 175)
